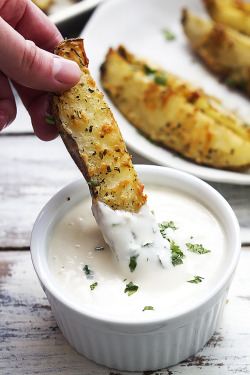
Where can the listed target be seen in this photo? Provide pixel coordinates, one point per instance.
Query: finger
(31, 22)
(39, 110)
(37, 104)
(7, 103)
(33, 67)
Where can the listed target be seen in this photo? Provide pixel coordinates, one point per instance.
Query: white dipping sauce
(133, 235)
(98, 278)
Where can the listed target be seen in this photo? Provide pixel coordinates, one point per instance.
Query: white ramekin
(131, 344)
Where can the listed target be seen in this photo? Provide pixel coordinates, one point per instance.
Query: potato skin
(93, 138)
(233, 13)
(224, 50)
(174, 114)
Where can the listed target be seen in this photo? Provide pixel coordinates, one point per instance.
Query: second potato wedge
(224, 50)
(233, 13)
(172, 113)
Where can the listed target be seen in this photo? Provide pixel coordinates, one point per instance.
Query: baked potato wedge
(233, 13)
(92, 137)
(174, 114)
(224, 50)
(43, 4)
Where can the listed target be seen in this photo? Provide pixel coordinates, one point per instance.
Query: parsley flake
(99, 248)
(88, 272)
(148, 244)
(50, 120)
(131, 288)
(160, 261)
(197, 248)
(196, 280)
(164, 225)
(177, 254)
(158, 76)
(168, 35)
(133, 263)
(93, 183)
(92, 286)
(148, 308)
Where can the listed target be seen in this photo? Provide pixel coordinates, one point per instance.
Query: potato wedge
(93, 139)
(43, 4)
(233, 13)
(172, 113)
(224, 50)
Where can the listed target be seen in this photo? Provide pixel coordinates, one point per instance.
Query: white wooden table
(31, 171)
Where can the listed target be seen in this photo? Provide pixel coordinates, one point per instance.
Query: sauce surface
(136, 284)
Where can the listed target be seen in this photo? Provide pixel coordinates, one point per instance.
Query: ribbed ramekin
(132, 344)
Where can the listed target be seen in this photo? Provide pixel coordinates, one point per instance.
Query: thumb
(28, 65)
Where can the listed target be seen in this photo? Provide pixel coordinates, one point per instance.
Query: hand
(27, 38)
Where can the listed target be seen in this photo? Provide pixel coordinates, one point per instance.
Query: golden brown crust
(173, 113)
(93, 138)
(43, 4)
(233, 13)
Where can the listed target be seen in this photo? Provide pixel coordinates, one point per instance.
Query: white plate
(138, 25)
(63, 10)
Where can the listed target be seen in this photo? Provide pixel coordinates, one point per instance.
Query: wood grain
(31, 342)
(32, 171)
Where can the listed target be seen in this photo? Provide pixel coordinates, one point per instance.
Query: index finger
(31, 22)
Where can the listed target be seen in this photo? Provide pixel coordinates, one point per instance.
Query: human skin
(27, 39)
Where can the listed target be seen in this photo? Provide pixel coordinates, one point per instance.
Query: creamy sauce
(89, 272)
(133, 235)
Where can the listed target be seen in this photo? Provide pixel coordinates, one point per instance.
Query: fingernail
(66, 71)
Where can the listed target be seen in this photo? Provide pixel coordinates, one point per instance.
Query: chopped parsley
(99, 248)
(197, 248)
(148, 308)
(92, 286)
(168, 35)
(158, 76)
(93, 183)
(148, 244)
(164, 225)
(89, 273)
(133, 263)
(160, 261)
(196, 280)
(50, 120)
(131, 288)
(161, 79)
(177, 254)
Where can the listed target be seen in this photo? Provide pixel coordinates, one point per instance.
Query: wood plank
(32, 171)
(30, 341)
(238, 196)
